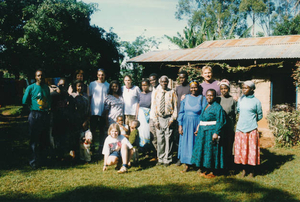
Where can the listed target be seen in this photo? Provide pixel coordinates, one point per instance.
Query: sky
(132, 18)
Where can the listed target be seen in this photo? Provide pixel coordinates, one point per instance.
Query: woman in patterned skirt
(246, 143)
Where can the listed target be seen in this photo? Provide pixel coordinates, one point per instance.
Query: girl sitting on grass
(116, 147)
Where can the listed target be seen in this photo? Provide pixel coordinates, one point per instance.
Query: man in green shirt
(37, 98)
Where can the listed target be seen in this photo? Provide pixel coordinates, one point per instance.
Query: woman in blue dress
(208, 150)
(188, 118)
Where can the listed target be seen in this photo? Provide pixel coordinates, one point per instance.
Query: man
(209, 82)
(37, 97)
(153, 78)
(97, 92)
(165, 112)
(182, 89)
(62, 110)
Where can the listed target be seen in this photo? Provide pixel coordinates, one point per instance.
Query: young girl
(144, 114)
(131, 99)
(229, 105)
(246, 143)
(116, 146)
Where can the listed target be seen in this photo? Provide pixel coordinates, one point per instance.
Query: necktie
(162, 103)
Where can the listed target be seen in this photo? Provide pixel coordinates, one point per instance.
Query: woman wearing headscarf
(228, 103)
(246, 143)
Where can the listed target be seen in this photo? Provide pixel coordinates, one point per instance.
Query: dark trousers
(39, 135)
(98, 122)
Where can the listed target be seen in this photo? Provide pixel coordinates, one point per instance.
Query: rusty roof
(274, 47)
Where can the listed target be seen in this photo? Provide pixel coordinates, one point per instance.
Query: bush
(284, 121)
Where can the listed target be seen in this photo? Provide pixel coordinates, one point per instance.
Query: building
(268, 61)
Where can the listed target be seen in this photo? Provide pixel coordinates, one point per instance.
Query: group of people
(147, 121)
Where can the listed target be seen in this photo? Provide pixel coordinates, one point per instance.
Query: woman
(131, 99)
(246, 142)
(114, 104)
(208, 149)
(80, 116)
(188, 118)
(144, 113)
(229, 105)
(78, 76)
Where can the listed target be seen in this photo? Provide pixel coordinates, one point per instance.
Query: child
(85, 146)
(134, 139)
(134, 133)
(246, 142)
(123, 127)
(116, 146)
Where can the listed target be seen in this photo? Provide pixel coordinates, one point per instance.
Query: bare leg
(124, 153)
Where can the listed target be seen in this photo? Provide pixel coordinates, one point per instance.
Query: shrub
(284, 121)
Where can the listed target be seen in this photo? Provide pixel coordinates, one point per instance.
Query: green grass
(278, 178)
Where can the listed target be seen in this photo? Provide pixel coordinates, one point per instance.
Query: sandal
(186, 169)
(209, 176)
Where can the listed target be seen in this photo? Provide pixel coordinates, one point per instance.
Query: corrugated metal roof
(275, 47)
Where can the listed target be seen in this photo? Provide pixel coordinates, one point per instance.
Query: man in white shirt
(97, 92)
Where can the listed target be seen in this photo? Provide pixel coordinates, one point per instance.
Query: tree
(222, 18)
(253, 8)
(287, 27)
(57, 37)
(139, 46)
(191, 38)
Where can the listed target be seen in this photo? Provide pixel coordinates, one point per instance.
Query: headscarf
(250, 84)
(224, 82)
(194, 82)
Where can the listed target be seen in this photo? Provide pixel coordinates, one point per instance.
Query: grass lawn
(277, 180)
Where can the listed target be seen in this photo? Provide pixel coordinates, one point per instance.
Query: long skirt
(187, 140)
(246, 148)
(144, 129)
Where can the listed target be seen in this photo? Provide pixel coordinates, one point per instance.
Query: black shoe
(166, 164)
(178, 163)
(159, 163)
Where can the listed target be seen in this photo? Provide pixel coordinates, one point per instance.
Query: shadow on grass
(271, 161)
(235, 190)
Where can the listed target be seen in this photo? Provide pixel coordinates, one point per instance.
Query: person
(85, 146)
(37, 97)
(80, 117)
(144, 114)
(97, 92)
(188, 118)
(209, 82)
(228, 104)
(208, 149)
(134, 139)
(165, 111)
(181, 91)
(134, 133)
(116, 148)
(131, 99)
(153, 79)
(246, 142)
(114, 104)
(62, 108)
(78, 75)
(123, 127)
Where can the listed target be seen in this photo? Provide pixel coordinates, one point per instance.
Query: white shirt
(131, 99)
(98, 92)
(114, 144)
